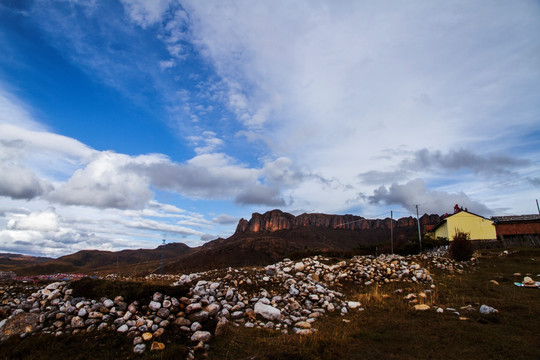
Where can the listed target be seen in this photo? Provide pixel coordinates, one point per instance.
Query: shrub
(461, 247)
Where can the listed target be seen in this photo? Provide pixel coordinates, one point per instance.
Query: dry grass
(389, 328)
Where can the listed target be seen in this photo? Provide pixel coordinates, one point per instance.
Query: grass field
(389, 328)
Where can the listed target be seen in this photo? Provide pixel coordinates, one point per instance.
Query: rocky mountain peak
(276, 220)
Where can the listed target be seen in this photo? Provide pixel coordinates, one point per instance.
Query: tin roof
(516, 218)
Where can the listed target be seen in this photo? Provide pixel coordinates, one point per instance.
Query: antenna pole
(391, 232)
(163, 258)
(419, 234)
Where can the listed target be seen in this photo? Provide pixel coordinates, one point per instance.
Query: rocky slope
(288, 296)
(277, 220)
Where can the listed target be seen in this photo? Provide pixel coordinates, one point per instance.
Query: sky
(125, 123)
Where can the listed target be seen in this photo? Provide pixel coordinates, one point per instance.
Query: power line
(362, 218)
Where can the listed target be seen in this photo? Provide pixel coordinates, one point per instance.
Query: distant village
(10, 276)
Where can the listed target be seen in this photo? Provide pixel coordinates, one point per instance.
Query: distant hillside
(9, 261)
(126, 261)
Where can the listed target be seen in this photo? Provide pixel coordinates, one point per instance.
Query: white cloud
(13, 112)
(36, 146)
(39, 221)
(146, 12)
(225, 219)
(166, 64)
(261, 195)
(166, 208)
(207, 176)
(21, 183)
(28, 153)
(106, 182)
(149, 224)
(415, 193)
(208, 142)
(208, 237)
(47, 233)
(332, 86)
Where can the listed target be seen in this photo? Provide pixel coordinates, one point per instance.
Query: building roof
(512, 218)
(449, 216)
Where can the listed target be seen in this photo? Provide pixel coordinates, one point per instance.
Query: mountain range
(263, 239)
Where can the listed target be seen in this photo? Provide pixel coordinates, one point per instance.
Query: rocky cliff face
(276, 220)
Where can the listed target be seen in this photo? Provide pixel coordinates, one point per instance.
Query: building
(478, 227)
(517, 225)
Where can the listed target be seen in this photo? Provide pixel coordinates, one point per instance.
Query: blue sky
(125, 122)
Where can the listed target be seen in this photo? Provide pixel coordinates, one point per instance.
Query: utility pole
(391, 232)
(537, 207)
(419, 234)
(163, 258)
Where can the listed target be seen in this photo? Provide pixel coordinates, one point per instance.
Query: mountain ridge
(263, 239)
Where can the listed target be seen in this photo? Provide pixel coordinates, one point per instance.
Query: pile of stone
(287, 296)
(367, 270)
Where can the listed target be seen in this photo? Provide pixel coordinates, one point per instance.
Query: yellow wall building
(478, 227)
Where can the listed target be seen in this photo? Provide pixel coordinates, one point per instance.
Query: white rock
(299, 266)
(193, 307)
(139, 348)
(123, 328)
(214, 286)
(301, 331)
(154, 305)
(353, 304)
(53, 286)
(267, 311)
(485, 310)
(264, 301)
(203, 336)
(212, 309)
